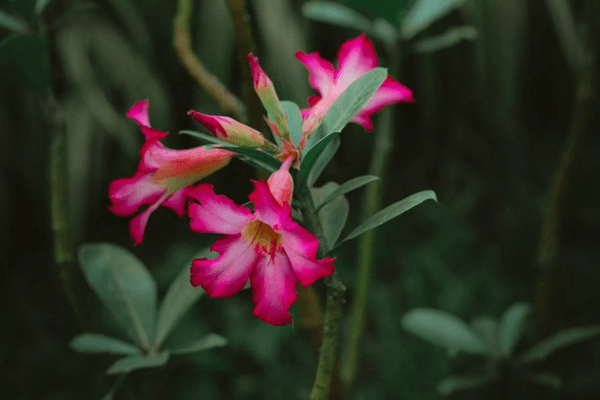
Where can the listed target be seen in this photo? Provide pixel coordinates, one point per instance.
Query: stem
(245, 45)
(333, 308)
(547, 254)
(371, 204)
(182, 43)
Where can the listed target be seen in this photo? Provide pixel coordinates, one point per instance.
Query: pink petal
(227, 274)
(273, 289)
(355, 57)
(128, 194)
(301, 248)
(213, 123)
(139, 113)
(178, 201)
(266, 207)
(137, 225)
(312, 100)
(216, 213)
(261, 80)
(320, 71)
(390, 92)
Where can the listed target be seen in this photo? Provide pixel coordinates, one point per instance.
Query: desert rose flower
(355, 57)
(163, 177)
(265, 246)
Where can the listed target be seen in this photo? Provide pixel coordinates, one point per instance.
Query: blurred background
(496, 107)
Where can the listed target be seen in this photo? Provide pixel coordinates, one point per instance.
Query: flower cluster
(264, 246)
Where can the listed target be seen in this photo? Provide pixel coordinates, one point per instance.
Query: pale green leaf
(391, 212)
(545, 379)
(124, 285)
(207, 342)
(425, 13)
(443, 329)
(454, 383)
(180, 296)
(447, 39)
(12, 23)
(310, 158)
(294, 121)
(40, 6)
(332, 216)
(335, 14)
(512, 325)
(324, 159)
(132, 363)
(95, 343)
(558, 341)
(487, 329)
(348, 186)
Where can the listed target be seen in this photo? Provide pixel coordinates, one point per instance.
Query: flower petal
(390, 92)
(355, 57)
(128, 194)
(227, 274)
(273, 289)
(216, 213)
(137, 225)
(267, 208)
(301, 248)
(320, 71)
(139, 113)
(178, 201)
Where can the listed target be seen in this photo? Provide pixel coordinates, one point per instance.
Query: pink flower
(229, 130)
(356, 56)
(265, 246)
(164, 176)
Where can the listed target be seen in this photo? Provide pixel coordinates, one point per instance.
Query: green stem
(333, 309)
(372, 203)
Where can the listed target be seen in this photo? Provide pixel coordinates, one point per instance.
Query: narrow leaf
(205, 137)
(352, 100)
(487, 329)
(349, 186)
(335, 14)
(453, 383)
(180, 296)
(447, 39)
(391, 212)
(425, 13)
(207, 342)
(311, 157)
(124, 285)
(558, 341)
(255, 157)
(324, 159)
(545, 378)
(132, 363)
(11, 23)
(443, 329)
(94, 343)
(512, 325)
(40, 6)
(333, 216)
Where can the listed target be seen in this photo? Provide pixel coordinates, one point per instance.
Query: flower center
(264, 239)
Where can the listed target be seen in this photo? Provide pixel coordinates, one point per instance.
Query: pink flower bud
(281, 183)
(229, 130)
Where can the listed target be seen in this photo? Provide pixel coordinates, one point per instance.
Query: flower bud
(229, 130)
(281, 183)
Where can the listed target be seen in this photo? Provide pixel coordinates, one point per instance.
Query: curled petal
(273, 289)
(216, 213)
(128, 194)
(320, 71)
(301, 248)
(137, 225)
(139, 113)
(227, 274)
(266, 207)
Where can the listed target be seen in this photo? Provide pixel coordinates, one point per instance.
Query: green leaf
(207, 342)
(294, 121)
(124, 285)
(40, 6)
(390, 212)
(487, 329)
(94, 343)
(512, 325)
(443, 329)
(558, 341)
(310, 158)
(352, 100)
(12, 23)
(26, 59)
(324, 159)
(180, 296)
(453, 383)
(545, 378)
(425, 13)
(333, 216)
(206, 137)
(447, 39)
(349, 186)
(132, 363)
(256, 158)
(335, 14)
